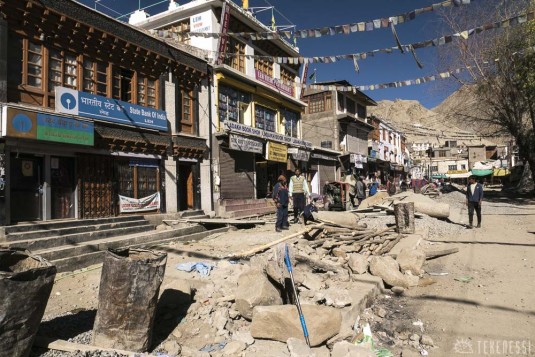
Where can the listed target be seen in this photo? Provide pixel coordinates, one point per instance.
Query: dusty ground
(493, 314)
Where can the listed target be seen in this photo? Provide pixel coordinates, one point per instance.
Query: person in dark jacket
(281, 198)
(474, 196)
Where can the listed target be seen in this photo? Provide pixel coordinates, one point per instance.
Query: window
(265, 118)
(95, 77)
(287, 77)
(187, 115)
(326, 144)
(452, 167)
(146, 92)
(34, 66)
(232, 104)
(350, 106)
(463, 167)
(122, 84)
(434, 168)
(361, 111)
(62, 70)
(290, 123)
(320, 102)
(264, 66)
(236, 60)
(442, 153)
(341, 102)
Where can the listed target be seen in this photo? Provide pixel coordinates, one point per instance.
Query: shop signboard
(319, 156)
(47, 127)
(70, 101)
(299, 154)
(264, 134)
(275, 83)
(276, 152)
(242, 143)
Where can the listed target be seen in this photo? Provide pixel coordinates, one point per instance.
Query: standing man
(474, 196)
(280, 196)
(391, 186)
(361, 191)
(298, 192)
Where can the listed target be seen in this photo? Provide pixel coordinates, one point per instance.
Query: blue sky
(320, 13)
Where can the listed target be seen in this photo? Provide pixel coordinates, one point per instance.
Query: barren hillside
(448, 121)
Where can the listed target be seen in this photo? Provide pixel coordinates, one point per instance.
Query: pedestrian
(391, 186)
(374, 186)
(309, 210)
(350, 179)
(360, 190)
(280, 196)
(474, 196)
(298, 192)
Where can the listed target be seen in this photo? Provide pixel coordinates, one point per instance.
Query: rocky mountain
(450, 120)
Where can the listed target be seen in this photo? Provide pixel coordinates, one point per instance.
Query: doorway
(27, 178)
(186, 187)
(62, 187)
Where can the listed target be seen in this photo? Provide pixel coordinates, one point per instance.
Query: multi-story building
(335, 121)
(254, 103)
(388, 147)
(85, 113)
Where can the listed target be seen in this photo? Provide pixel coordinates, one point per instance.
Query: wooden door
(189, 187)
(95, 179)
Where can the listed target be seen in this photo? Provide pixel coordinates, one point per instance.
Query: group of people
(298, 192)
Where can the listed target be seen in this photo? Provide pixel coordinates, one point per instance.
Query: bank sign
(69, 101)
(48, 127)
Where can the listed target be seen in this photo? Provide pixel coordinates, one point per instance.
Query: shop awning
(438, 176)
(128, 140)
(462, 175)
(501, 172)
(485, 172)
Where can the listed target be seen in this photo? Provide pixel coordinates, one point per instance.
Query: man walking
(361, 190)
(474, 196)
(298, 192)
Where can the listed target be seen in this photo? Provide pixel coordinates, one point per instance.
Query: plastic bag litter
(365, 339)
(200, 267)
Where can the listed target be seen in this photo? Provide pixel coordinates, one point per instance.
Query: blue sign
(70, 101)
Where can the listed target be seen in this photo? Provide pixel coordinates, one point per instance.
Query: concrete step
(56, 224)
(36, 234)
(76, 238)
(242, 207)
(189, 213)
(114, 242)
(81, 261)
(250, 212)
(237, 202)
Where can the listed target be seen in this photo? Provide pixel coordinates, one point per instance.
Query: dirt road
(492, 314)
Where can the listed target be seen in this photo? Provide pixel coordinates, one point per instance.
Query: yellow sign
(276, 152)
(452, 172)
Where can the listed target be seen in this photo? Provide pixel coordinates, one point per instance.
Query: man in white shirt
(298, 192)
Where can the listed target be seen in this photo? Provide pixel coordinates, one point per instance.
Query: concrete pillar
(171, 196)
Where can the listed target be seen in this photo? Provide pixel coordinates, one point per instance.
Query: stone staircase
(75, 244)
(236, 208)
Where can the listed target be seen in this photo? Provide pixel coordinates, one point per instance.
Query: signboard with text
(276, 152)
(241, 143)
(201, 22)
(70, 101)
(149, 203)
(275, 83)
(48, 127)
(264, 134)
(223, 38)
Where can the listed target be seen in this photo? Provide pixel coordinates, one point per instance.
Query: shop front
(323, 167)
(39, 162)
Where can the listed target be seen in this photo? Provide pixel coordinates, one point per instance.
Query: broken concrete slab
(411, 260)
(337, 297)
(255, 289)
(411, 241)
(299, 348)
(388, 269)
(322, 351)
(233, 348)
(243, 336)
(346, 349)
(282, 322)
(267, 348)
(358, 263)
(412, 280)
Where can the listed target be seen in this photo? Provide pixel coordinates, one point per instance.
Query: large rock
(346, 349)
(376, 199)
(299, 348)
(358, 263)
(254, 289)
(411, 260)
(388, 269)
(282, 322)
(346, 219)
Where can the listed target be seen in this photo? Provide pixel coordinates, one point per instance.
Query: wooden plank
(430, 254)
(62, 345)
(233, 222)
